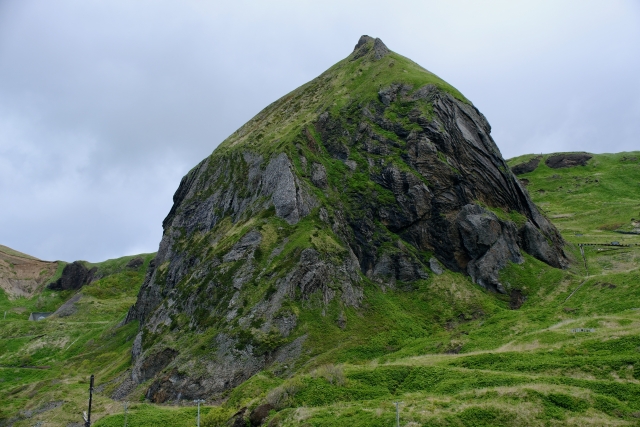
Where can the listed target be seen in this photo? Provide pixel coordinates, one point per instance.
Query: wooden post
(88, 421)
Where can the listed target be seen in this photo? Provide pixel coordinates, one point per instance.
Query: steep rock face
(374, 174)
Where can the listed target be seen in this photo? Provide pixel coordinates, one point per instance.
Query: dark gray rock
(280, 183)
(259, 414)
(319, 175)
(535, 244)
(397, 266)
(490, 244)
(135, 263)
(151, 365)
(69, 308)
(380, 50)
(363, 47)
(239, 419)
(244, 247)
(526, 167)
(567, 160)
(517, 299)
(74, 276)
(435, 266)
(334, 135)
(232, 365)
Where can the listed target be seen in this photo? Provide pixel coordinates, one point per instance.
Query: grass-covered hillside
(45, 365)
(592, 203)
(451, 352)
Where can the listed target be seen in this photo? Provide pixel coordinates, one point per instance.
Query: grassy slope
(334, 90)
(514, 367)
(51, 360)
(592, 200)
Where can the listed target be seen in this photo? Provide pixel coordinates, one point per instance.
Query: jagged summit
(367, 44)
(375, 176)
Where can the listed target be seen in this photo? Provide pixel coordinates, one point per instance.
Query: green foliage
(217, 417)
(152, 416)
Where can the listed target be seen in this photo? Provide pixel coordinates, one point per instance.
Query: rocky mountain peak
(372, 176)
(364, 39)
(368, 44)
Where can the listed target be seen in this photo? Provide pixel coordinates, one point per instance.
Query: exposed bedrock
(74, 276)
(567, 160)
(526, 167)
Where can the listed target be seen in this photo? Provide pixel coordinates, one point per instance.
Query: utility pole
(87, 419)
(397, 413)
(125, 413)
(199, 401)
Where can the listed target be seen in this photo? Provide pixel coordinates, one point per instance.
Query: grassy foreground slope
(456, 355)
(452, 353)
(45, 365)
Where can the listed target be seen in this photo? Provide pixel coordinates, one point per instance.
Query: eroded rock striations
(375, 174)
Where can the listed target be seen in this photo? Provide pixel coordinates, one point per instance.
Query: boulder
(490, 244)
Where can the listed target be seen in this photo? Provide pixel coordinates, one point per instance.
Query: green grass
(586, 211)
(51, 360)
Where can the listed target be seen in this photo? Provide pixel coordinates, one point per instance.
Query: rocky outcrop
(489, 244)
(69, 308)
(567, 160)
(526, 167)
(535, 244)
(259, 414)
(368, 44)
(319, 175)
(74, 276)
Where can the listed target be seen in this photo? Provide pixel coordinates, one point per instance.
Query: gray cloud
(105, 105)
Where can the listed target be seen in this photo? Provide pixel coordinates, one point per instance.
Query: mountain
(374, 177)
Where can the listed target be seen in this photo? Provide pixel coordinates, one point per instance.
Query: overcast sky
(105, 105)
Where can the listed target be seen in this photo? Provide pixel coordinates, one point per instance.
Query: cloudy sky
(105, 105)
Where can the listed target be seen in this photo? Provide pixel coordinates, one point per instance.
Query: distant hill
(594, 199)
(23, 275)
